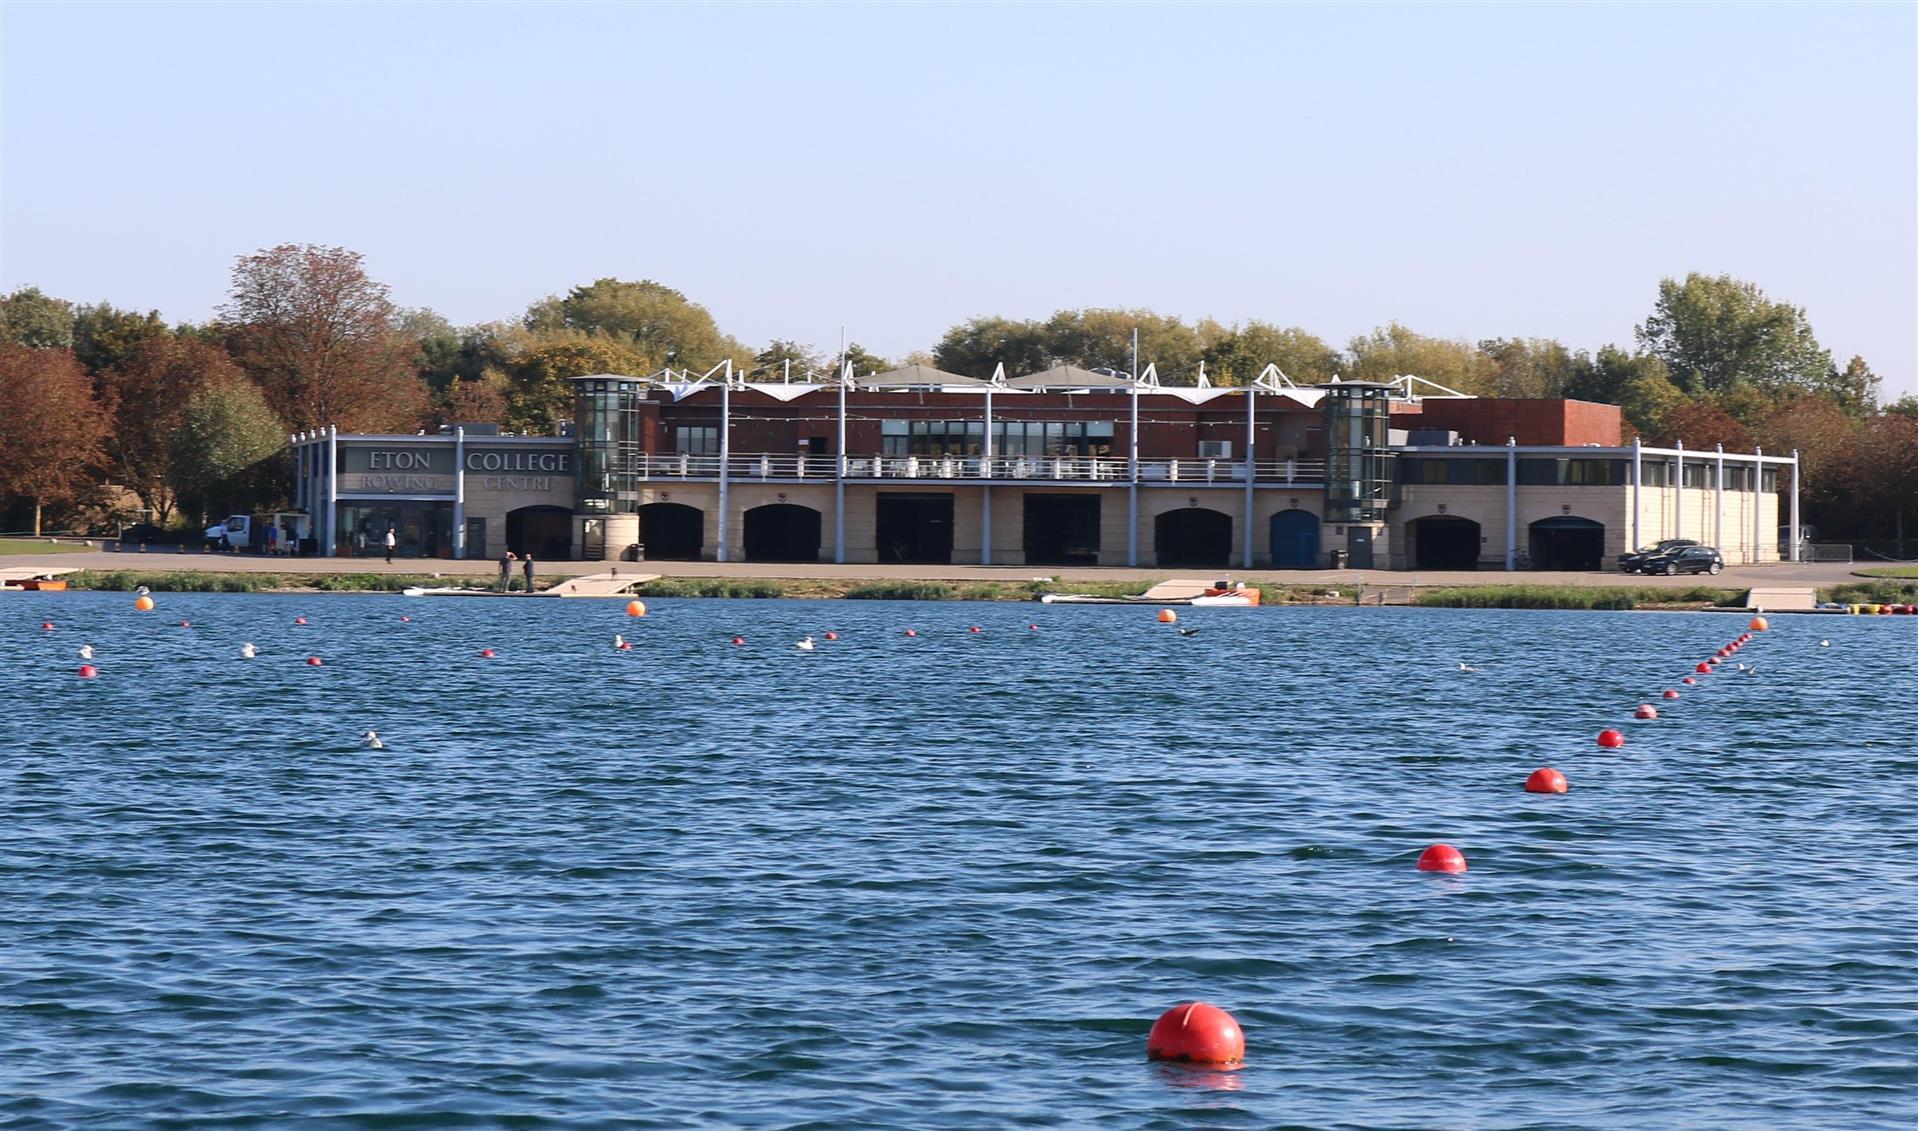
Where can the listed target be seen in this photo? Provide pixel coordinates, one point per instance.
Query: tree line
(192, 419)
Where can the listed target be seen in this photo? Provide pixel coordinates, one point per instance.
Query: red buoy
(1442, 858)
(486, 653)
(1610, 739)
(1645, 711)
(313, 661)
(299, 620)
(1546, 780)
(1703, 668)
(88, 671)
(912, 632)
(1671, 693)
(1689, 681)
(405, 619)
(46, 626)
(1196, 1033)
(1032, 628)
(975, 628)
(186, 624)
(832, 636)
(738, 640)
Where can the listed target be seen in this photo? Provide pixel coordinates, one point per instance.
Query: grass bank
(1899, 592)
(40, 546)
(1577, 597)
(1894, 572)
(196, 581)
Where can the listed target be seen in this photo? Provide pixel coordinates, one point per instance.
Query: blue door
(1295, 540)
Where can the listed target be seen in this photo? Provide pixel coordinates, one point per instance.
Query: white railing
(1089, 469)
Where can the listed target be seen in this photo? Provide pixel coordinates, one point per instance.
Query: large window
(1656, 472)
(1576, 472)
(1009, 437)
(1458, 471)
(1700, 475)
(696, 439)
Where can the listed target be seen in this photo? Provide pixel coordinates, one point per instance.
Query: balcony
(1091, 470)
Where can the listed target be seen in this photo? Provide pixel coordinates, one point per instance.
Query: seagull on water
(804, 645)
(86, 651)
(1465, 667)
(1188, 632)
(1824, 643)
(248, 651)
(371, 740)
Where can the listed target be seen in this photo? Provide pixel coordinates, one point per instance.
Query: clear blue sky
(1472, 171)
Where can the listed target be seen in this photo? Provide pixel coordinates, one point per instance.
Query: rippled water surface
(947, 880)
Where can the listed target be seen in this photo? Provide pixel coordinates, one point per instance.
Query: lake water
(950, 880)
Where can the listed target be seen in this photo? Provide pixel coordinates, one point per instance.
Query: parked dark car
(1631, 562)
(1685, 559)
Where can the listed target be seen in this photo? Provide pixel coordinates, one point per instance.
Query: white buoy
(371, 740)
(248, 651)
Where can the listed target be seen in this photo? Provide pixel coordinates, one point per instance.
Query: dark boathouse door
(914, 529)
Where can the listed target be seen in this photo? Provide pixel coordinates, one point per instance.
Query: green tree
(1855, 387)
(1906, 405)
(227, 452)
(781, 357)
(104, 336)
(976, 347)
(1394, 349)
(29, 318)
(1612, 369)
(1236, 355)
(863, 362)
(657, 324)
(1647, 399)
(1535, 367)
(51, 427)
(539, 393)
(1102, 339)
(1714, 332)
(440, 347)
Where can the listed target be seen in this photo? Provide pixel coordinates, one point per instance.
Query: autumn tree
(482, 400)
(539, 392)
(1714, 332)
(149, 393)
(1701, 425)
(319, 336)
(52, 429)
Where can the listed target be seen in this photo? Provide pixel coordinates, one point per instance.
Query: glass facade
(1459, 471)
(420, 529)
(1575, 472)
(1010, 438)
(607, 414)
(1358, 465)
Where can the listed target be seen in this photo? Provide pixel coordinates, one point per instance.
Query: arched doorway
(1567, 542)
(1444, 542)
(544, 532)
(1194, 538)
(1295, 540)
(782, 532)
(672, 532)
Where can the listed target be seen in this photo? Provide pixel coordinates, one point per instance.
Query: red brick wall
(1492, 421)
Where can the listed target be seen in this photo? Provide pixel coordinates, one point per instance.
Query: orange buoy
(1610, 739)
(1760, 624)
(1167, 616)
(1442, 858)
(88, 671)
(313, 662)
(1546, 780)
(143, 603)
(635, 608)
(1703, 668)
(1689, 681)
(1196, 1033)
(486, 653)
(1671, 693)
(1645, 711)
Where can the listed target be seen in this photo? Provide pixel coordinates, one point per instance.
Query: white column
(1251, 465)
(459, 491)
(1511, 503)
(839, 483)
(1758, 503)
(1638, 482)
(1718, 529)
(725, 458)
(332, 489)
(1796, 555)
(985, 488)
(1132, 492)
(1678, 508)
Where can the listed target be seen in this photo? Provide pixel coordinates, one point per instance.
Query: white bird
(1752, 670)
(248, 651)
(86, 651)
(1465, 667)
(804, 645)
(618, 640)
(1824, 643)
(371, 740)
(1188, 632)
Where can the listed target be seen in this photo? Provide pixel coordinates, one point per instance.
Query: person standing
(505, 570)
(528, 567)
(391, 541)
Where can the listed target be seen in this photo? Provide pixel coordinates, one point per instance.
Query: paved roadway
(1821, 574)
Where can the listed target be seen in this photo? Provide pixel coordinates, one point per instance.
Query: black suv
(1631, 562)
(1685, 559)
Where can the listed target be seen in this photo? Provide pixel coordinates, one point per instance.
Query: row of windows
(1009, 437)
(1577, 473)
